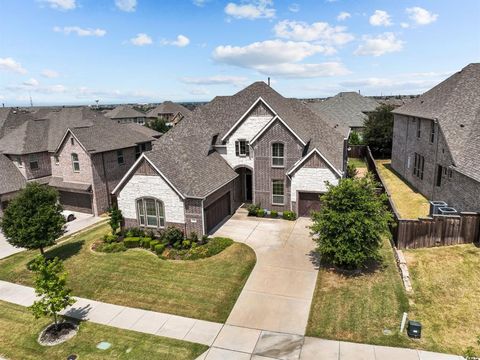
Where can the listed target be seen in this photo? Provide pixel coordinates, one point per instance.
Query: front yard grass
(446, 296)
(410, 204)
(359, 308)
(203, 289)
(19, 332)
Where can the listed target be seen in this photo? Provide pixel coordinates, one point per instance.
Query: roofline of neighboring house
(245, 114)
(270, 123)
(396, 112)
(129, 172)
(63, 140)
(299, 163)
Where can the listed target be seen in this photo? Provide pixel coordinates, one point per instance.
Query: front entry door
(248, 186)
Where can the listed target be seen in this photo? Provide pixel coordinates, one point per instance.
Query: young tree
(355, 139)
(378, 132)
(158, 124)
(116, 218)
(33, 219)
(351, 223)
(50, 286)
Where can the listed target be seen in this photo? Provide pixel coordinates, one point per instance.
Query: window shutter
(247, 148)
(237, 148)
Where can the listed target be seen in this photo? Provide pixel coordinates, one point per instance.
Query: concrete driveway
(278, 293)
(81, 222)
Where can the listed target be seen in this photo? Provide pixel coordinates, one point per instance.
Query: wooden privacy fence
(357, 151)
(439, 230)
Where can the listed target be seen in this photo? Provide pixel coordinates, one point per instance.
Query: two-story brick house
(253, 147)
(436, 141)
(76, 150)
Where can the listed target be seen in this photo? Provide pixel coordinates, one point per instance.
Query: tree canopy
(158, 124)
(378, 132)
(33, 219)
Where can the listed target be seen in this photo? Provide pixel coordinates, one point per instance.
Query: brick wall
(44, 165)
(64, 168)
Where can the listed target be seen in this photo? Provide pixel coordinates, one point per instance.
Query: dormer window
(242, 148)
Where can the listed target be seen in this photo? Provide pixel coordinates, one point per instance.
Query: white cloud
(294, 7)
(254, 9)
(10, 64)
(319, 31)
(67, 30)
(290, 70)
(61, 4)
(141, 39)
(405, 25)
(180, 41)
(199, 3)
(31, 82)
(50, 73)
(215, 80)
(379, 45)
(343, 16)
(421, 16)
(126, 5)
(380, 18)
(199, 91)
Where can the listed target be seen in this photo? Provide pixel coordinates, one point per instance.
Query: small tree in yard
(116, 219)
(159, 125)
(351, 223)
(33, 219)
(378, 132)
(50, 286)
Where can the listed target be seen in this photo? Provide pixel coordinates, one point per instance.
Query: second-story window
(242, 148)
(432, 132)
(33, 161)
(120, 158)
(419, 128)
(419, 166)
(75, 163)
(277, 154)
(139, 149)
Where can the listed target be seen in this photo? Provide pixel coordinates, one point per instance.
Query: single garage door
(217, 211)
(80, 202)
(308, 202)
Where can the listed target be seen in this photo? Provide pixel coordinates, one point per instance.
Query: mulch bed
(54, 335)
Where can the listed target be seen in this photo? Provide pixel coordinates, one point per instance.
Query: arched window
(277, 154)
(150, 212)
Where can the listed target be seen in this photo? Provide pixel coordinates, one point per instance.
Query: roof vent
(462, 126)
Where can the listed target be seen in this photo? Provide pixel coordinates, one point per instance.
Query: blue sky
(77, 51)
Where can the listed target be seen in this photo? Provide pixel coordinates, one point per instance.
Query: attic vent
(462, 126)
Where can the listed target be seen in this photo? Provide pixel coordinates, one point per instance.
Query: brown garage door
(217, 211)
(76, 201)
(308, 202)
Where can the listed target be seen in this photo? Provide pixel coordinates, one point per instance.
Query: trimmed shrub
(135, 232)
(289, 215)
(173, 235)
(131, 242)
(213, 247)
(186, 244)
(177, 245)
(193, 237)
(145, 242)
(274, 213)
(153, 243)
(114, 247)
(253, 209)
(159, 248)
(109, 238)
(260, 213)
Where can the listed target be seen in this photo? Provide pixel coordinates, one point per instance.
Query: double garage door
(308, 202)
(73, 201)
(217, 211)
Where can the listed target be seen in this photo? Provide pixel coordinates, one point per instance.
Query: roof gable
(305, 159)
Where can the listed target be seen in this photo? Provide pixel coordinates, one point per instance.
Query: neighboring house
(346, 109)
(11, 181)
(85, 173)
(169, 111)
(253, 147)
(436, 141)
(125, 114)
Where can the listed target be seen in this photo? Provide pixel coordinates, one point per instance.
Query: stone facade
(456, 189)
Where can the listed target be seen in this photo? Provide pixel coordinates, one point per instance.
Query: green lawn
(19, 332)
(446, 296)
(410, 204)
(357, 162)
(358, 308)
(204, 289)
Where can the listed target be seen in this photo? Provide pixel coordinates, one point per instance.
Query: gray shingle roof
(183, 156)
(124, 112)
(11, 179)
(455, 102)
(345, 108)
(168, 107)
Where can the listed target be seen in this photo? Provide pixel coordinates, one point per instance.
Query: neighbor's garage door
(308, 202)
(76, 201)
(217, 211)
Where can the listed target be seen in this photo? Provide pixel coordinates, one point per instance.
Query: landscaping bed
(258, 211)
(204, 289)
(19, 333)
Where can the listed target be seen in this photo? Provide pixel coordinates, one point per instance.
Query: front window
(120, 158)
(150, 212)
(278, 192)
(242, 148)
(75, 163)
(33, 161)
(277, 155)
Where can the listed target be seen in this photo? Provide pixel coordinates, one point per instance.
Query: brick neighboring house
(253, 147)
(11, 181)
(436, 141)
(85, 171)
(125, 114)
(169, 111)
